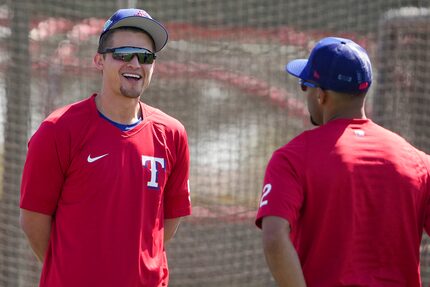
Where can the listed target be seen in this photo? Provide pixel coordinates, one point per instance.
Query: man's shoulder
(301, 140)
(67, 120)
(296, 147)
(71, 114)
(161, 119)
(393, 138)
(308, 143)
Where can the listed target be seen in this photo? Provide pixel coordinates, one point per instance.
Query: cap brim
(296, 67)
(152, 27)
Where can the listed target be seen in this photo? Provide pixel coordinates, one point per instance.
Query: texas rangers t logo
(153, 167)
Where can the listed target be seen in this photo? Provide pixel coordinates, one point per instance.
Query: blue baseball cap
(139, 19)
(335, 64)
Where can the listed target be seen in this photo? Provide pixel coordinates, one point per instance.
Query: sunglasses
(126, 54)
(304, 85)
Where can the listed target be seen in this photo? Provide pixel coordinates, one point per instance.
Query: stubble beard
(313, 121)
(131, 93)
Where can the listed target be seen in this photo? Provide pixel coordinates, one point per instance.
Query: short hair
(106, 39)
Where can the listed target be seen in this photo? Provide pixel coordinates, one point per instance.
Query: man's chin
(131, 94)
(314, 122)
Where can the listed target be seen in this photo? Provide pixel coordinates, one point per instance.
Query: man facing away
(105, 181)
(344, 204)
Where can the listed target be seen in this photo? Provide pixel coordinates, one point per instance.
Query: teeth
(131, 75)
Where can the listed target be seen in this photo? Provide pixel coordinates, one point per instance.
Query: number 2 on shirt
(266, 190)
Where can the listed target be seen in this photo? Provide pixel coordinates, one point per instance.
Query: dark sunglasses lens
(125, 57)
(143, 58)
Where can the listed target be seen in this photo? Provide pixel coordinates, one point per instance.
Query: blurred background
(222, 75)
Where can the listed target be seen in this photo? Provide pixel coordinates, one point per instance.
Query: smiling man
(105, 182)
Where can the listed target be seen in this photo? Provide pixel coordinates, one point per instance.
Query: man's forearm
(284, 265)
(170, 227)
(37, 228)
(281, 256)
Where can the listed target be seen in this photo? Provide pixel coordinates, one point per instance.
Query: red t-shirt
(108, 192)
(357, 198)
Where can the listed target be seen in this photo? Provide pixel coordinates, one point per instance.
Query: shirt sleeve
(177, 201)
(42, 177)
(283, 188)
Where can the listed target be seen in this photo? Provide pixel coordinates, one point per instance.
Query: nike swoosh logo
(93, 159)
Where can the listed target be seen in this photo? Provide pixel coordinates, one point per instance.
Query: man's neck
(344, 106)
(346, 114)
(122, 110)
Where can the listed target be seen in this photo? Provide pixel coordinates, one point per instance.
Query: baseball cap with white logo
(336, 64)
(139, 19)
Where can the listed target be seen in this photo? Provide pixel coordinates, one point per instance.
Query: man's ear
(322, 96)
(98, 61)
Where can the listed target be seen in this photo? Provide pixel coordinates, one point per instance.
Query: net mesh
(221, 75)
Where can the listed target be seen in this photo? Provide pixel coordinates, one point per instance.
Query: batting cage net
(222, 75)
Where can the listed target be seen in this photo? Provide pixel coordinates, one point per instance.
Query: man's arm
(37, 228)
(170, 227)
(281, 256)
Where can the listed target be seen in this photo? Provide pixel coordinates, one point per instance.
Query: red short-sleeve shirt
(357, 198)
(109, 192)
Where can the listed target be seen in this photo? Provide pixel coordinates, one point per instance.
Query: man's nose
(134, 61)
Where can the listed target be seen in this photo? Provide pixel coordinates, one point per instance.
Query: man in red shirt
(105, 182)
(344, 204)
